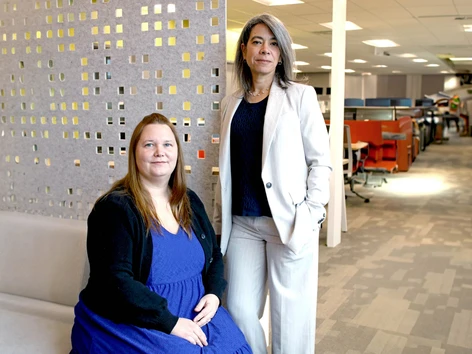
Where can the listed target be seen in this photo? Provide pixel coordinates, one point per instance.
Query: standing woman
(274, 183)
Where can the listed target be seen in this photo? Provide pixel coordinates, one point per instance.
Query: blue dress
(176, 274)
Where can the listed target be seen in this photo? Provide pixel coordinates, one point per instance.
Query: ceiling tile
(438, 11)
(423, 27)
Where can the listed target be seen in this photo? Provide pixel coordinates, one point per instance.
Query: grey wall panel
(77, 76)
(432, 84)
(391, 86)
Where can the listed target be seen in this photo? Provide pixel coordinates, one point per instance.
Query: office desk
(358, 146)
(356, 149)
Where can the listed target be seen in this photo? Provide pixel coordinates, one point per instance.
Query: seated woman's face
(156, 153)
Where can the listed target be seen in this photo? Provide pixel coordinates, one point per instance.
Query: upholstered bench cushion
(42, 257)
(39, 308)
(22, 333)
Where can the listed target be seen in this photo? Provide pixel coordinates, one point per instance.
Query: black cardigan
(120, 256)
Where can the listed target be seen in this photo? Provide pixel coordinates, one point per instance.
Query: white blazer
(296, 164)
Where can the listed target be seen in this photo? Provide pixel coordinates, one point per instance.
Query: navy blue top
(247, 129)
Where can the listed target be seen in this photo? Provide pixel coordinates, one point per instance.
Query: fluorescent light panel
(407, 55)
(326, 67)
(380, 66)
(467, 28)
(358, 61)
(419, 60)
(278, 2)
(349, 26)
(301, 63)
(298, 46)
(432, 65)
(461, 59)
(381, 43)
(349, 71)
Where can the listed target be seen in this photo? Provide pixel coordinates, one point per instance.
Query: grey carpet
(400, 282)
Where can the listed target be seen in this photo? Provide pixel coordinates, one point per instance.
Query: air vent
(455, 17)
(323, 33)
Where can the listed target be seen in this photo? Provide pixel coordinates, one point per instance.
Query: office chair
(352, 166)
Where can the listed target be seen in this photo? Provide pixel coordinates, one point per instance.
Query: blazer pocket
(303, 228)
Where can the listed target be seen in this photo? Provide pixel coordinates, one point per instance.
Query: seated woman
(156, 271)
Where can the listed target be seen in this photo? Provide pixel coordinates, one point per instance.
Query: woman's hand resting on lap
(207, 307)
(190, 331)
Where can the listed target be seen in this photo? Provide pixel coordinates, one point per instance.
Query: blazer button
(211, 260)
(268, 184)
(203, 236)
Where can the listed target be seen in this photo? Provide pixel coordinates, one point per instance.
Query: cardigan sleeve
(116, 244)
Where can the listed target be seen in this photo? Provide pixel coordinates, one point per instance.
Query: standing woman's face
(262, 52)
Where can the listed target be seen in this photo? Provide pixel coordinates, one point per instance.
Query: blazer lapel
(227, 117)
(271, 118)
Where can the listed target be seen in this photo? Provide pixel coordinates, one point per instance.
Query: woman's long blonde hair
(131, 184)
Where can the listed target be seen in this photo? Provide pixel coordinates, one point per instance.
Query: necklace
(261, 92)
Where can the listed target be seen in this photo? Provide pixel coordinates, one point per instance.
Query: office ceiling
(430, 29)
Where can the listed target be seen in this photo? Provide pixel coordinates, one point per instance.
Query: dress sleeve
(115, 243)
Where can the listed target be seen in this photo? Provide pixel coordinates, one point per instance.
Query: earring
(279, 63)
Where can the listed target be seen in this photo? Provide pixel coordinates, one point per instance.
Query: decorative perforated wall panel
(77, 76)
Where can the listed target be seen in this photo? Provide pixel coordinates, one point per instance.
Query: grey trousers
(258, 262)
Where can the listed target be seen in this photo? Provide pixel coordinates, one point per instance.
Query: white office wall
(319, 80)
(353, 87)
(413, 87)
(370, 83)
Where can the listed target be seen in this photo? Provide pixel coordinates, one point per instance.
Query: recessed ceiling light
(407, 55)
(432, 65)
(349, 71)
(461, 59)
(467, 28)
(420, 60)
(349, 26)
(278, 2)
(328, 54)
(358, 61)
(326, 67)
(396, 71)
(301, 63)
(298, 46)
(366, 74)
(379, 66)
(444, 72)
(296, 71)
(381, 43)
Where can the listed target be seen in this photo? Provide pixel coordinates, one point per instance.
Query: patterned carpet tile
(401, 279)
